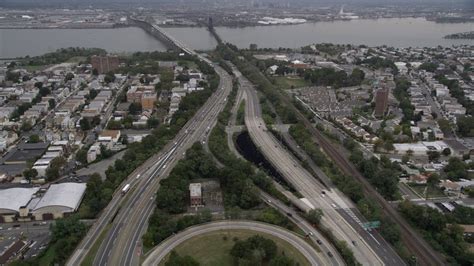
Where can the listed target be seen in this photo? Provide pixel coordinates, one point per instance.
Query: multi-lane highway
(129, 214)
(329, 255)
(159, 252)
(369, 248)
(122, 244)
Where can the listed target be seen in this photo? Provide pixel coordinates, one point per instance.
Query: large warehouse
(25, 204)
(60, 199)
(12, 200)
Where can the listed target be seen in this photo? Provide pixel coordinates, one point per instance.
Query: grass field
(433, 192)
(213, 248)
(291, 82)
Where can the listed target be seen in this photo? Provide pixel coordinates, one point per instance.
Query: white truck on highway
(125, 189)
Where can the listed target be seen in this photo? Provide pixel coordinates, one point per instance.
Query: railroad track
(414, 242)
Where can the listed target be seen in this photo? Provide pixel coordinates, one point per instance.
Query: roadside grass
(420, 191)
(48, 257)
(89, 259)
(291, 82)
(213, 248)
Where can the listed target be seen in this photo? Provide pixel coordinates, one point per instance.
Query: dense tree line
(382, 174)
(162, 225)
(377, 62)
(336, 79)
(429, 66)
(62, 55)
(258, 250)
(457, 169)
(401, 93)
(440, 231)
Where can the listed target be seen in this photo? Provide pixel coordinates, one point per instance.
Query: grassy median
(214, 248)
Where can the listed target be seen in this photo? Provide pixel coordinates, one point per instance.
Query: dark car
(330, 254)
(319, 242)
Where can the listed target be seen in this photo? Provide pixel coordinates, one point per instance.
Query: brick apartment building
(381, 102)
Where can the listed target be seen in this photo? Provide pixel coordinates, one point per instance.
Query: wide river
(406, 32)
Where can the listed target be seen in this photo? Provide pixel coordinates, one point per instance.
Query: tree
(69, 76)
(52, 173)
(256, 249)
(26, 126)
(433, 155)
(446, 152)
(81, 156)
(44, 91)
(85, 125)
(52, 103)
(34, 139)
(109, 77)
(135, 108)
(30, 174)
(431, 183)
(314, 216)
(466, 126)
(153, 122)
(253, 46)
(177, 260)
(456, 169)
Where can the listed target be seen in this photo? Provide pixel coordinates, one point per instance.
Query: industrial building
(195, 194)
(33, 204)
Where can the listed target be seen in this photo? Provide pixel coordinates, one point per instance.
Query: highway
(128, 215)
(368, 248)
(122, 244)
(160, 251)
(312, 233)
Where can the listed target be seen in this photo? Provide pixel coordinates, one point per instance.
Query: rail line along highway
(425, 254)
(369, 248)
(128, 214)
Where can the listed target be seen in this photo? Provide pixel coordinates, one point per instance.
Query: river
(406, 32)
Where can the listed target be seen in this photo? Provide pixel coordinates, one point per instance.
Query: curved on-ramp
(160, 251)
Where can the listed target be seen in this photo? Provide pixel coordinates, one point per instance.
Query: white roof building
(62, 198)
(11, 199)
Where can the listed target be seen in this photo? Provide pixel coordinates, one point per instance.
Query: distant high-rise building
(381, 102)
(104, 64)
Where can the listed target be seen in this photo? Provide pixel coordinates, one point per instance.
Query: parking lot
(35, 234)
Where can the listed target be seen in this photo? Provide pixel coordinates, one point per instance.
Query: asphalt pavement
(160, 251)
(366, 248)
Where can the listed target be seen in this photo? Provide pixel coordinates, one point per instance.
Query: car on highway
(289, 214)
(319, 242)
(330, 254)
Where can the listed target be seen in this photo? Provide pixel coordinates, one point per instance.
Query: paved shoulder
(159, 252)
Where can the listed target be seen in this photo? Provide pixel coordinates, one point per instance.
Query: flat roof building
(195, 193)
